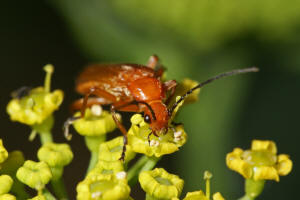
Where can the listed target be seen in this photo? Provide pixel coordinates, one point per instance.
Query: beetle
(133, 88)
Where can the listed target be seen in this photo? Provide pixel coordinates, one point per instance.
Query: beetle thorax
(146, 89)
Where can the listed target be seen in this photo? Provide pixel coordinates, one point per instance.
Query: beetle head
(157, 116)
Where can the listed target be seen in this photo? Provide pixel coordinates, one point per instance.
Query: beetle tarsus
(149, 137)
(21, 92)
(66, 127)
(125, 141)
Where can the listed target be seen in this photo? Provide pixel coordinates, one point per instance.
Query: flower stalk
(143, 164)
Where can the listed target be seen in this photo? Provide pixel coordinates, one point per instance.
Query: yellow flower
(158, 146)
(5, 184)
(185, 85)
(56, 156)
(218, 196)
(111, 150)
(7, 197)
(94, 124)
(159, 184)
(3, 153)
(103, 187)
(260, 162)
(34, 174)
(37, 105)
(197, 195)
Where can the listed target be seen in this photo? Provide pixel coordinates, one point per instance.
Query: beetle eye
(147, 119)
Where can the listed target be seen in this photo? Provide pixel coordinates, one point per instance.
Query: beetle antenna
(230, 73)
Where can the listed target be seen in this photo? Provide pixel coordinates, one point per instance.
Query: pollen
(154, 143)
(121, 175)
(177, 134)
(95, 195)
(96, 110)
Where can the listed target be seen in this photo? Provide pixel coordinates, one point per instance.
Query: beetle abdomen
(113, 78)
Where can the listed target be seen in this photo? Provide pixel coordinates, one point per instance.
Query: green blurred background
(195, 39)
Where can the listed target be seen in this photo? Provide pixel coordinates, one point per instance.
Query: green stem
(93, 160)
(149, 197)
(46, 137)
(48, 195)
(254, 188)
(93, 142)
(136, 167)
(19, 190)
(59, 189)
(150, 163)
(145, 163)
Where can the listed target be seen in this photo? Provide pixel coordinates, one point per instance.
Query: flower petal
(265, 173)
(284, 165)
(218, 196)
(197, 195)
(264, 145)
(234, 162)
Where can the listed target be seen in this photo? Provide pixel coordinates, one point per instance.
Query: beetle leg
(122, 129)
(170, 86)
(21, 92)
(66, 126)
(153, 61)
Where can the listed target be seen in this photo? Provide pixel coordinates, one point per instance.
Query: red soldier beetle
(133, 88)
